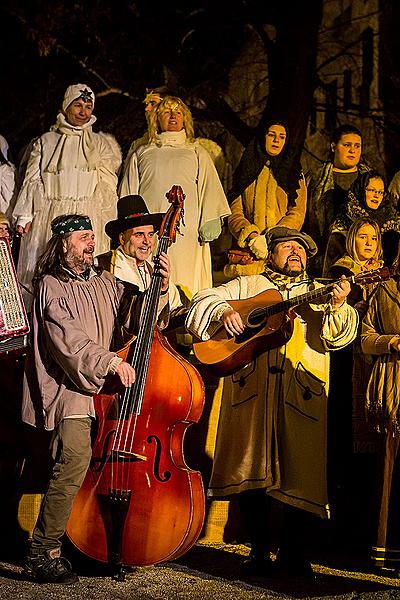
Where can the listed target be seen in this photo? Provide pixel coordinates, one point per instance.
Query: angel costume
(152, 171)
(71, 170)
(7, 177)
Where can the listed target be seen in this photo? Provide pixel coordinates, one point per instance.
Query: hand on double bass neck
(232, 322)
(126, 373)
(163, 263)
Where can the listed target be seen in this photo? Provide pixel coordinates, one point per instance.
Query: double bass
(140, 503)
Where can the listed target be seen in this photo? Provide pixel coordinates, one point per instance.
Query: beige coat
(262, 205)
(380, 325)
(272, 426)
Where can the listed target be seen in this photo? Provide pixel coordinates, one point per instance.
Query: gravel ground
(206, 572)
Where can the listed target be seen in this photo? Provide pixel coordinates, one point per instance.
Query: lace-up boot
(50, 567)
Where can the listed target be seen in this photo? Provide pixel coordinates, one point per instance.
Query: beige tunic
(272, 426)
(72, 328)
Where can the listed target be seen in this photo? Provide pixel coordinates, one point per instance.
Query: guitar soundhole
(256, 318)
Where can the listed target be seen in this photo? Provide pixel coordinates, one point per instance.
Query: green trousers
(71, 449)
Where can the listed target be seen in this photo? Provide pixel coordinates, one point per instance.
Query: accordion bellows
(14, 326)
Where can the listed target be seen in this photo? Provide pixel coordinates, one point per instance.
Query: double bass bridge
(97, 463)
(126, 456)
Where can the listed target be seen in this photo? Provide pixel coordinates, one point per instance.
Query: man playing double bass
(271, 440)
(79, 312)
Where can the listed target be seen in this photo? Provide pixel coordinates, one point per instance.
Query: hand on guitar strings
(232, 322)
(340, 290)
(126, 373)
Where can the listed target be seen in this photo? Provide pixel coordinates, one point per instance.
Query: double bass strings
(133, 397)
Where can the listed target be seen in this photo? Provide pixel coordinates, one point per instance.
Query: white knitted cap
(77, 90)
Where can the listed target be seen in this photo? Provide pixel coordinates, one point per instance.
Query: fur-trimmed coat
(262, 205)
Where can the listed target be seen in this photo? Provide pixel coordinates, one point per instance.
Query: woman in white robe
(7, 177)
(173, 158)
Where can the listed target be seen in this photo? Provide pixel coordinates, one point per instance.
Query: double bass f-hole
(156, 469)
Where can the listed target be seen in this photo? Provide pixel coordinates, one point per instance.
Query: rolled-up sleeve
(339, 326)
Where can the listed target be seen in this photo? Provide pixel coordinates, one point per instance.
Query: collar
(85, 276)
(284, 282)
(171, 138)
(63, 123)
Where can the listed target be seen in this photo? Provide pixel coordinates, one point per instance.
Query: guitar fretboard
(368, 277)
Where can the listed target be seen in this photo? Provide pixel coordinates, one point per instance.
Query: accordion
(14, 326)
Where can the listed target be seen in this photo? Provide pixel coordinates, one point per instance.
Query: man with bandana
(271, 440)
(79, 312)
(70, 169)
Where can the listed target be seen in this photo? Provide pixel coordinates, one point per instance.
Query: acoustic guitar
(268, 324)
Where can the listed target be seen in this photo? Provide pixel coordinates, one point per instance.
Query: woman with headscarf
(367, 198)
(70, 170)
(265, 194)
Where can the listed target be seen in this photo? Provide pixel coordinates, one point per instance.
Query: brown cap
(276, 235)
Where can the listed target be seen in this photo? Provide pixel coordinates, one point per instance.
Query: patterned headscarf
(70, 224)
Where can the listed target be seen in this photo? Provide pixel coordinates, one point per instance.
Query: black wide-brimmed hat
(132, 212)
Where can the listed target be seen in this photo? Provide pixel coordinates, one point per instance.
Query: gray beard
(77, 264)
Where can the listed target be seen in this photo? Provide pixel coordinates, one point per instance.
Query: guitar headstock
(172, 217)
(374, 276)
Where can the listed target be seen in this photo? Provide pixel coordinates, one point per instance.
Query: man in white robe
(7, 178)
(271, 440)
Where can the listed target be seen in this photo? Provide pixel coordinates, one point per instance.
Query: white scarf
(87, 158)
(171, 138)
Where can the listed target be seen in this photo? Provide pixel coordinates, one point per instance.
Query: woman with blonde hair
(363, 249)
(352, 441)
(174, 157)
(380, 339)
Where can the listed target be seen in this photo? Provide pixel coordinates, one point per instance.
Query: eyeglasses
(373, 191)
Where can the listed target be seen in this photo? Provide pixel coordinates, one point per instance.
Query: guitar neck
(374, 276)
(297, 300)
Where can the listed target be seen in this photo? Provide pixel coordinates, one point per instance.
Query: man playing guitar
(271, 440)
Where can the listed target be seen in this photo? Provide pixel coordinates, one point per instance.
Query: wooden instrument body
(269, 324)
(165, 511)
(226, 354)
(140, 503)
